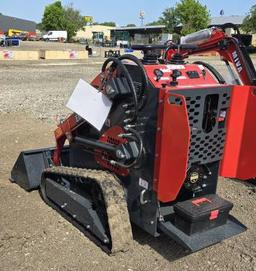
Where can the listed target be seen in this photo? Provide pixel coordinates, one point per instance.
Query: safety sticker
(143, 183)
(176, 67)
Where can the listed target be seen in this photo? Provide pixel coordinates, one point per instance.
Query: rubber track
(115, 202)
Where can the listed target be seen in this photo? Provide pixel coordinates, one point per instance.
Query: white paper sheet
(91, 105)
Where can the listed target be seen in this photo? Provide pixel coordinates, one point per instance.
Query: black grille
(205, 147)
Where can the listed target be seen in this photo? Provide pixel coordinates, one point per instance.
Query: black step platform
(200, 222)
(204, 239)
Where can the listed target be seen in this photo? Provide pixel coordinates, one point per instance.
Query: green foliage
(249, 23)
(169, 19)
(112, 24)
(131, 25)
(192, 15)
(39, 26)
(57, 17)
(154, 23)
(88, 20)
(73, 21)
(189, 13)
(54, 17)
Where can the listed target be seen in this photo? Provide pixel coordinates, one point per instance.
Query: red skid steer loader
(172, 129)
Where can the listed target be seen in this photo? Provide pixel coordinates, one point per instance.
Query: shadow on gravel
(253, 181)
(165, 246)
(250, 184)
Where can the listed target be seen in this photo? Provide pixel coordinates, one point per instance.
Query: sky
(121, 12)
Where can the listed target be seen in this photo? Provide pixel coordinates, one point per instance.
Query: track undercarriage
(93, 200)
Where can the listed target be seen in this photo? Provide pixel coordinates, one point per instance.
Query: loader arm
(62, 133)
(230, 49)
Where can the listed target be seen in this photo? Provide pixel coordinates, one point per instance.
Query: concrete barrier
(82, 55)
(53, 55)
(19, 55)
(42, 54)
(63, 55)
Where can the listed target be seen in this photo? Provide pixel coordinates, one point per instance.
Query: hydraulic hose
(217, 75)
(120, 64)
(141, 146)
(145, 81)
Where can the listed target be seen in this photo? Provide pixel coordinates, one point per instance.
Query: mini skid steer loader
(155, 163)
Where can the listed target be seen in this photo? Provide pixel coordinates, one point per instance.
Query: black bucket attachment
(29, 166)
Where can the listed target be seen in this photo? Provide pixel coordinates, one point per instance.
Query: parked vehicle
(2, 39)
(12, 41)
(15, 32)
(56, 36)
(122, 43)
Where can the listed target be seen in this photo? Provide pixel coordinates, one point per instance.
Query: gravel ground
(34, 237)
(42, 88)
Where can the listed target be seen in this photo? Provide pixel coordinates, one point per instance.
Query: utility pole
(142, 17)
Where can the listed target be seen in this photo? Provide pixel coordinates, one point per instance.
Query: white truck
(56, 36)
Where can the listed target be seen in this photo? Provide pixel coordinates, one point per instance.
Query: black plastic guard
(29, 166)
(205, 239)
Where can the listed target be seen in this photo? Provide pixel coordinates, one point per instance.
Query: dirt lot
(34, 237)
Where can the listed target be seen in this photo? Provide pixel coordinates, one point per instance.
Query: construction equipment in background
(21, 35)
(155, 161)
(14, 32)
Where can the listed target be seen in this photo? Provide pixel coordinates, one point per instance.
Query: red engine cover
(172, 148)
(240, 149)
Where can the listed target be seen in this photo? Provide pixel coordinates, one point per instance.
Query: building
(95, 33)
(20, 25)
(234, 19)
(138, 34)
(238, 21)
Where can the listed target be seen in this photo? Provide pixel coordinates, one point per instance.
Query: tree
(189, 13)
(57, 17)
(130, 25)
(88, 20)
(169, 19)
(39, 26)
(249, 23)
(53, 18)
(73, 20)
(154, 23)
(112, 24)
(192, 15)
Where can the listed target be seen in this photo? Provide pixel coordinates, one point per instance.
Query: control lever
(175, 74)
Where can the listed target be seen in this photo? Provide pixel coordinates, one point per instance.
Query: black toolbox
(201, 214)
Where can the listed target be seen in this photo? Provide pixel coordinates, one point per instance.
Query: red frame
(239, 158)
(172, 148)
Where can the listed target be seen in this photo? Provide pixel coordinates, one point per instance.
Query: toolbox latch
(214, 214)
